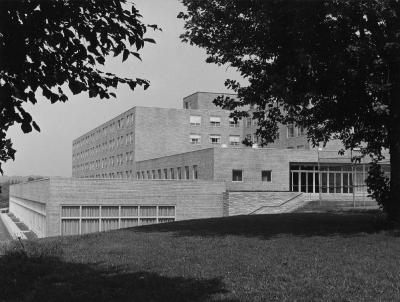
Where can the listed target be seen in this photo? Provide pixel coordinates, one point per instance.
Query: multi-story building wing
(111, 150)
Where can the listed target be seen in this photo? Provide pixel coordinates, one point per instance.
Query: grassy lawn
(286, 257)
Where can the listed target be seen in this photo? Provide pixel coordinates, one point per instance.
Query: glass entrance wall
(334, 179)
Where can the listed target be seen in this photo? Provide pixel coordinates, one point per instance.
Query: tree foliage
(332, 66)
(58, 45)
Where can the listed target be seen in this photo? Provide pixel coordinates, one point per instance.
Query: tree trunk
(393, 207)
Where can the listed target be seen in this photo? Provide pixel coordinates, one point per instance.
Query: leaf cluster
(51, 46)
(323, 65)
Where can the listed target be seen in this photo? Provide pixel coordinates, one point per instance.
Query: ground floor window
(80, 219)
(237, 175)
(339, 179)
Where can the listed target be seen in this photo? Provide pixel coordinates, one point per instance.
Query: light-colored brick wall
(244, 203)
(204, 159)
(164, 132)
(28, 202)
(192, 199)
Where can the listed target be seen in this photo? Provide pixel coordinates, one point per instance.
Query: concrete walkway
(3, 232)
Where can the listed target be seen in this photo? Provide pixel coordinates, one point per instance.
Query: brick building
(112, 149)
(154, 165)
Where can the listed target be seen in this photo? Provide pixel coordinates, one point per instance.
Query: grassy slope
(286, 257)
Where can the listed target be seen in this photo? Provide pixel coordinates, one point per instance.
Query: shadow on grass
(268, 226)
(45, 278)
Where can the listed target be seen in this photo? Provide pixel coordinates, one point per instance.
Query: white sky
(174, 69)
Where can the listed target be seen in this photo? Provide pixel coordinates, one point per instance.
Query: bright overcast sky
(174, 69)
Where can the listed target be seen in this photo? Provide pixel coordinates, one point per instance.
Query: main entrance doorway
(339, 179)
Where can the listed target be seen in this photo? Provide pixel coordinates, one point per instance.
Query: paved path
(3, 232)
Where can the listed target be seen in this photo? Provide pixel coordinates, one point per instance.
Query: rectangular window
(109, 211)
(166, 211)
(179, 172)
(234, 140)
(290, 130)
(69, 227)
(89, 226)
(195, 172)
(148, 211)
(233, 122)
(70, 211)
(90, 211)
(300, 131)
(266, 175)
(129, 211)
(248, 124)
(153, 172)
(187, 176)
(215, 139)
(195, 120)
(165, 174)
(137, 175)
(172, 172)
(159, 174)
(195, 139)
(143, 175)
(237, 175)
(215, 121)
(148, 174)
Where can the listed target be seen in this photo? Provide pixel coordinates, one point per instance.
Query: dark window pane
(338, 188)
(324, 185)
(317, 182)
(236, 175)
(295, 184)
(266, 175)
(331, 182)
(303, 182)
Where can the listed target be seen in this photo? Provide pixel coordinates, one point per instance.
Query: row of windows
(106, 162)
(195, 139)
(105, 146)
(215, 121)
(126, 122)
(77, 220)
(293, 131)
(170, 173)
(266, 175)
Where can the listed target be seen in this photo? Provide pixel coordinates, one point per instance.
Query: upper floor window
(195, 120)
(233, 122)
(215, 121)
(215, 138)
(248, 122)
(165, 174)
(179, 169)
(290, 130)
(195, 139)
(301, 131)
(234, 140)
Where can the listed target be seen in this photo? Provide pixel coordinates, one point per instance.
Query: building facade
(112, 149)
(156, 165)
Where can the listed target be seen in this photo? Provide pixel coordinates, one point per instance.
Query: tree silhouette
(330, 66)
(51, 46)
